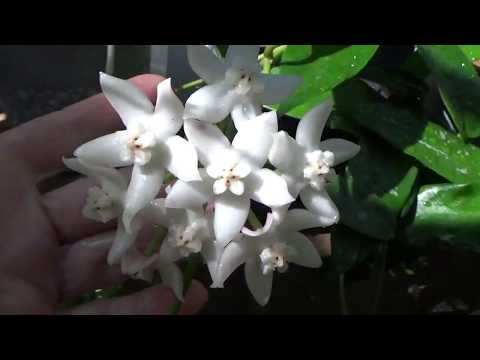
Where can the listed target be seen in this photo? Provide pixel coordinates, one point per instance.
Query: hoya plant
(225, 185)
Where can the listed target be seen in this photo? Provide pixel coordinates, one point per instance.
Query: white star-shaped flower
(107, 202)
(149, 142)
(188, 232)
(139, 266)
(233, 174)
(268, 250)
(235, 85)
(103, 203)
(307, 163)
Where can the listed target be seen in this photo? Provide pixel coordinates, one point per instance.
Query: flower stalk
(193, 264)
(190, 85)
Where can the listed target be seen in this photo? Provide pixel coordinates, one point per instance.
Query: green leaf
(416, 66)
(374, 189)
(449, 213)
(223, 49)
(349, 249)
(458, 83)
(432, 145)
(471, 51)
(322, 68)
(398, 83)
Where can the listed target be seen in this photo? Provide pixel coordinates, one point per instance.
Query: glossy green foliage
(432, 145)
(458, 83)
(449, 213)
(322, 68)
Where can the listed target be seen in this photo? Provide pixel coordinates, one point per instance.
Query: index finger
(42, 142)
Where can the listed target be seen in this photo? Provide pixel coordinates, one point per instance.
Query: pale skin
(50, 253)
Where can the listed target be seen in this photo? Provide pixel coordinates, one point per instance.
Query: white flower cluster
(206, 209)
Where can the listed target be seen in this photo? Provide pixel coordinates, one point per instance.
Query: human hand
(50, 253)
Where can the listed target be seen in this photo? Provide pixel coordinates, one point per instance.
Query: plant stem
(253, 220)
(381, 269)
(267, 66)
(110, 63)
(268, 59)
(268, 52)
(341, 292)
(277, 51)
(193, 264)
(169, 177)
(154, 245)
(191, 84)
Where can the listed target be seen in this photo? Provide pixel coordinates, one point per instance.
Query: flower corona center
(100, 205)
(185, 238)
(244, 81)
(274, 258)
(139, 145)
(319, 168)
(229, 177)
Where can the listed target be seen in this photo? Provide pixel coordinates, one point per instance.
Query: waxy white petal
(144, 186)
(310, 128)
(168, 251)
(255, 138)
(122, 242)
(180, 158)
(243, 57)
(209, 141)
(295, 184)
(300, 219)
(212, 103)
(205, 64)
(260, 285)
(343, 149)
(278, 88)
(237, 187)
(215, 170)
(211, 254)
(190, 195)
(171, 277)
(111, 180)
(128, 101)
(242, 169)
(286, 155)
(319, 203)
(109, 150)
(231, 213)
(305, 253)
(268, 188)
(133, 261)
(168, 117)
(269, 222)
(245, 111)
(234, 255)
(219, 187)
(156, 213)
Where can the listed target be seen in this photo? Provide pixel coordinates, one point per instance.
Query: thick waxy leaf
(449, 213)
(398, 83)
(432, 145)
(472, 51)
(416, 66)
(375, 187)
(458, 83)
(322, 67)
(349, 248)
